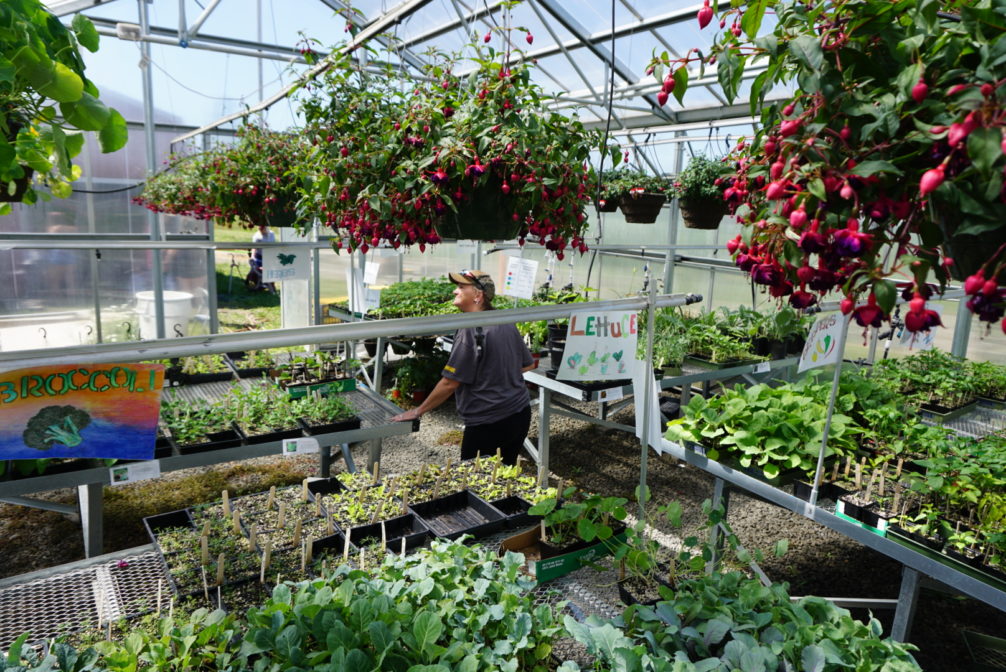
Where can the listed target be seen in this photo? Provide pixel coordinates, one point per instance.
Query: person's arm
(439, 395)
(529, 367)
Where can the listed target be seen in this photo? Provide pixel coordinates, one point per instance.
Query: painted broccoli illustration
(56, 424)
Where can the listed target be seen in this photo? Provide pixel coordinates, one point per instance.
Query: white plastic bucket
(177, 313)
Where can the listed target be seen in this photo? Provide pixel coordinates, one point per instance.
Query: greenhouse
(513, 335)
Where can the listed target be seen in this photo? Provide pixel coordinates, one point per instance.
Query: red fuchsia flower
(767, 274)
(824, 280)
(812, 242)
(847, 305)
(920, 90)
(798, 218)
(475, 170)
(705, 15)
(439, 176)
(918, 318)
(869, 315)
(801, 299)
(974, 283)
(931, 180)
(781, 289)
(805, 274)
(849, 243)
(735, 244)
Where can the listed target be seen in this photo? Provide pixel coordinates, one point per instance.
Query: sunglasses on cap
(471, 276)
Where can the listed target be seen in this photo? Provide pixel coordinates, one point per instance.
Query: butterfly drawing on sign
(286, 259)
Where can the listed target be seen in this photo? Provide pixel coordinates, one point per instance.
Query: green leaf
(85, 31)
(816, 188)
(87, 113)
(65, 85)
(868, 168)
(114, 134)
(781, 547)
(807, 50)
(427, 628)
(812, 659)
(887, 295)
(680, 84)
(984, 148)
(752, 17)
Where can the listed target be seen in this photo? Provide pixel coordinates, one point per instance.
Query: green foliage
(417, 373)
(617, 184)
(929, 376)
(697, 182)
(249, 181)
(190, 421)
(774, 429)
(573, 515)
(46, 102)
(415, 298)
(989, 379)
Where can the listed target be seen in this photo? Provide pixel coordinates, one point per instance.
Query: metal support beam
(91, 501)
(65, 509)
(907, 597)
(569, 22)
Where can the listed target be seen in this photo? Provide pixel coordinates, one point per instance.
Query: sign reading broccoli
(101, 411)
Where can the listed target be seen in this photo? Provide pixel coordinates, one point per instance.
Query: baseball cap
(480, 279)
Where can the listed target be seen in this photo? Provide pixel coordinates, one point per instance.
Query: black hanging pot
(702, 213)
(607, 205)
(642, 208)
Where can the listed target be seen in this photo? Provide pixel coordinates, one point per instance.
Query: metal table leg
(544, 413)
(347, 457)
(90, 497)
(721, 498)
(907, 597)
(374, 455)
(325, 461)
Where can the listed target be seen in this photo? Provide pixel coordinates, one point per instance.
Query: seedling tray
(516, 511)
(629, 598)
(996, 580)
(200, 378)
(228, 438)
(459, 513)
(409, 527)
(705, 363)
(253, 372)
(323, 387)
(324, 486)
(341, 426)
(290, 433)
(333, 544)
(943, 414)
(164, 521)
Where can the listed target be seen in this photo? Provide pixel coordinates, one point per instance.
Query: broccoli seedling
(56, 424)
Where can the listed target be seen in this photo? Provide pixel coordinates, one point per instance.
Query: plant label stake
(901, 465)
(309, 546)
(296, 532)
(543, 535)
(220, 572)
(834, 472)
(377, 473)
(848, 466)
(303, 490)
(859, 476)
(345, 548)
(331, 527)
(237, 522)
(225, 496)
(206, 585)
(266, 556)
(252, 534)
(384, 537)
(363, 558)
(317, 506)
(204, 551)
(303, 558)
(405, 502)
(281, 523)
(272, 497)
(403, 546)
(160, 585)
(206, 529)
(496, 465)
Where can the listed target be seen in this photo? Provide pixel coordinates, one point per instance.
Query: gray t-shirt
(492, 387)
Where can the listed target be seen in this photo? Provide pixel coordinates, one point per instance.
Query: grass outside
(238, 308)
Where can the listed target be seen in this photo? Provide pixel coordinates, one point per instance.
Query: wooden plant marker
(405, 502)
(206, 529)
(345, 548)
(496, 466)
(237, 522)
(204, 551)
(266, 557)
(363, 558)
(883, 481)
(281, 521)
(303, 490)
(220, 569)
(160, 586)
(384, 537)
(377, 473)
(206, 585)
(901, 465)
(303, 558)
(226, 497)
(834, 471)
(296, 532)
(272, 497)
(309, 549)
(403, 546)
(252, 535)
(317, 506)
(331, 526)
(859, 476)
(869, 486)
(848, 466)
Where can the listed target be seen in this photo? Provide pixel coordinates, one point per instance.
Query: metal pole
(148, 131)
(962, 330)
(647, 384)
(831, 407)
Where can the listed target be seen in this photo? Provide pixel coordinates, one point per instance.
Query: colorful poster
(99, 410)
(600, 346)
(822, 342)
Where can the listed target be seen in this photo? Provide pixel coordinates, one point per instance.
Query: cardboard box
(553, 566)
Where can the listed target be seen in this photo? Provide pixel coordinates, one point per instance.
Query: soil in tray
(459, 513)
(641, 590)
(341, 426)
(278, 435)
(228, 438)
(410, 527)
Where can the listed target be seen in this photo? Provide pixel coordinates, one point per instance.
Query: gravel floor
(819, 561)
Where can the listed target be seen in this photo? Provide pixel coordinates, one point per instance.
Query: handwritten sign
(600, 346)
(102, 411)
(285, 263)
(821, 348)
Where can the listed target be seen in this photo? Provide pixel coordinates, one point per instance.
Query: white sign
(285, 263)
(137, 471)
(764, 367)
(301, 446)
(466, 245)
(370, 272)
(644, 373)
(614, 394)
(361, 298)
(821, 348)
(519, 278)
(600, 345)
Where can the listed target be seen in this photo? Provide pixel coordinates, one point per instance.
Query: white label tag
(763, 367)
(130, 473)
(466, 245)
(613, 394)
(370, 272)
(300, 446)
(519, 280)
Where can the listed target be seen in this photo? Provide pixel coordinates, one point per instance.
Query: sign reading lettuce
(101, 411)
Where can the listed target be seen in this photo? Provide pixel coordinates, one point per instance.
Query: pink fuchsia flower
(849, 243)
(869, 315)
(801, 299)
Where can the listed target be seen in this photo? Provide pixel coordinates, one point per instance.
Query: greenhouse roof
(583, 48)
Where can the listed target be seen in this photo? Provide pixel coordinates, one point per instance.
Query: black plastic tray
(459, 513)
(343, 426)
(410, 527)
(228, 438)
(292, 433)
(515, 509)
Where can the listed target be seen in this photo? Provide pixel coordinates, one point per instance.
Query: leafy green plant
(317, 409)
(420, 373)
(620, 183)
(586, 518)
(989, 379)
(46, 101)
(699, 181)
(415, 298)
(190, 421)
(773, 429)
(929, 376)
(260, 409)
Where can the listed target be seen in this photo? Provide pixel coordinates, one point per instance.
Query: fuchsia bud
(734, 244)
(789, 127)
(668, 85)
(846, 305)
(661, 98)
(798, 218)
(974, 283)
(931, 180)
(705, 15)
(487, 37)
(530, 38)
(775, 170)
(920, 91)
(775, 191)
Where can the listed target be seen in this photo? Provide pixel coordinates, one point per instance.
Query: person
(484, 375)
(262, 235)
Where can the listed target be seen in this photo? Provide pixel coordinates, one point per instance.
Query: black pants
(507, 434)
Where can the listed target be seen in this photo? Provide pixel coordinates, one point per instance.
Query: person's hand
(407, 416)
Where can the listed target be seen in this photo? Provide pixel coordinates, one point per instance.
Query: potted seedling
(197, 425)
(326, 414)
